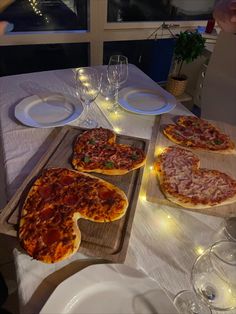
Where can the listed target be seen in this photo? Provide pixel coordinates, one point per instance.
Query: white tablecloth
(164, 241)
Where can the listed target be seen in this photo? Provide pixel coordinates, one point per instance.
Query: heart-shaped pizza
(58, 198)
(197, 133)
(96, 150)
(184, 183)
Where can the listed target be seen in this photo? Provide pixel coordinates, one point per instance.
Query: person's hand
(225, 15)
(3, 26)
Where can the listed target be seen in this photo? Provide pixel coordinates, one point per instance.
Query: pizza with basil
(48, 228)
(184, 183)
(196, 133)
(96, 150)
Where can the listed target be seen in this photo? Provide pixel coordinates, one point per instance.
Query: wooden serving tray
(106, 240)
(210, 160)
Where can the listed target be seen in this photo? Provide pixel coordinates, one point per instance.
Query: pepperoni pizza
(197, 133)
(58, 198)
(96, 150)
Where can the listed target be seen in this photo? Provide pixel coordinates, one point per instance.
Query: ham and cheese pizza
(96, 150)
(197, 133)
(184, 183)
(58, 198)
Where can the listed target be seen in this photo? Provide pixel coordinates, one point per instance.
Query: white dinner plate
(48, 111)
(108, 289)
(145, 101)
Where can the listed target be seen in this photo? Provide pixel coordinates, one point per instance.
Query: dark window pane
(159, 10)
(34, 58)
(153, 57)
(47, 15)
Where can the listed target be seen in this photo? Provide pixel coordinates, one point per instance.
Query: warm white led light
(159, 150)
(143, 197)
(83, 78)
(86, 84)
(199, 250)
(117, 130)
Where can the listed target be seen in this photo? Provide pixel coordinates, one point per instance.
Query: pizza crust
(111, 172)
(187, 204)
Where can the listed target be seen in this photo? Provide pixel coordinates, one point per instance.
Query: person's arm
(225, 15)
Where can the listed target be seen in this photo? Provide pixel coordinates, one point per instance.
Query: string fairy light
(199, 250)
(117, 130)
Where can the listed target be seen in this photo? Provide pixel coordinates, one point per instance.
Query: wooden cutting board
(210, 160)
(106, 240)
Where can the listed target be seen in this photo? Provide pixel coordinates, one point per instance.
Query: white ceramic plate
(145, 101)
(108, 289)
(48, 111)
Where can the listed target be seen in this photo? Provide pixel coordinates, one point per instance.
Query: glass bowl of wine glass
(117, 74)
(213, 278)
(88, 84)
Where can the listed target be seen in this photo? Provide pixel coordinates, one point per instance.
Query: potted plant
(189, 45)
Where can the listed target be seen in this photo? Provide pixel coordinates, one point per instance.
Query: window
(34, 58)
(159, 10)
(47, 15)
(94, 26)
(153, 57)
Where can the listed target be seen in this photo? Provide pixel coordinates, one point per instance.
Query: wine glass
(213, 278)
(88, 83)
(107, 90)
(117, 74)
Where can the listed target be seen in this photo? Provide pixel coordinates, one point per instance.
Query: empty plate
(145, 101)
(108, 289)
(48, 111)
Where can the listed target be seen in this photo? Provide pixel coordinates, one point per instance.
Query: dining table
(164, 240)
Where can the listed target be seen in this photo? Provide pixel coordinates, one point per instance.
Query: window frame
(99, 31)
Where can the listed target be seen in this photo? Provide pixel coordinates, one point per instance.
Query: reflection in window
(46, 15)
(159, 10)
(153, 57)
(34, 58)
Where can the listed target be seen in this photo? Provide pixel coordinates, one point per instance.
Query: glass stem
(115, 106)
(86, 110)
(116, 94)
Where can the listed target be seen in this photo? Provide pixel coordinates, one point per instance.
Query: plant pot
(176, 86)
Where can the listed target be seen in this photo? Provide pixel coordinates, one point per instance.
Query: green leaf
(218, 141)
(87, 159)
(109, 164)
(134, 157)
(188, 46)
(92, 141)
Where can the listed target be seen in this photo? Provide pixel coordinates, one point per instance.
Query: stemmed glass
(117, 74)
(213, 278)
(88, 83)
